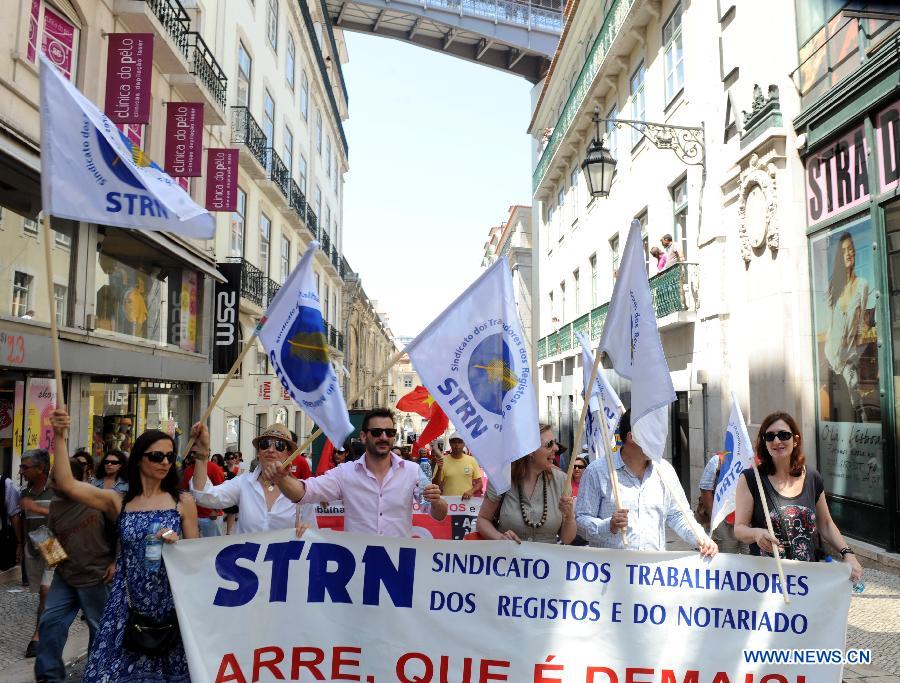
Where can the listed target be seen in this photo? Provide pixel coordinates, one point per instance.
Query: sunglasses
(112, 462)
(378, 431)
(550, 444)
(580, 467)
(278, 444)
(159, 456)
(781, 436)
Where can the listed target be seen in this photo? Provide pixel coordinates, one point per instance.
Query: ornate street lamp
(598, 166)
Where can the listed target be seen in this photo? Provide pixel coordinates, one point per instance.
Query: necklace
(525, 517)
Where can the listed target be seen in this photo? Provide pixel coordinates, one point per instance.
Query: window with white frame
(288, 151)
(562, 301)
(576, 282)
(612, 133)
(328, 219)
(674, 59)
(268, 122)
(573, 180)
(327, 156)
(642, 220)
(319, 131)
(22, 293)
(56, 34)
(614, 255)
(61, 300)
(265, 235)
(301, 173)
(272, 24)
(285, 258)
(30, 226)
(290, 65)
(236, 241)
(62, 240)
(680, 216)
(244, 72)
(304, 94)
(318, 201)
(638, 107)
(337, 173)
(325, 300)
(593, 262)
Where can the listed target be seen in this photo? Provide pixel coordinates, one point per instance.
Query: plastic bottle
(153, 548)
(858, 587)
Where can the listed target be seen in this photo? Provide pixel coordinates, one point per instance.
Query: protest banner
(460, 519)
(348, 607)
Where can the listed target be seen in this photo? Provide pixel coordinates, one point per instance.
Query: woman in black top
(795, 495)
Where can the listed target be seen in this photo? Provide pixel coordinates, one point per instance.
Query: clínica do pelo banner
(346, 607)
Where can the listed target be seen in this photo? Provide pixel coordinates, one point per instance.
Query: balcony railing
(312, 221)
(252, 281)
(345, 267)
(205, 67)
(325, 243)
(673, 290)
(246, 131)
(174, 19)
(278, 172)
(615, 17)
(272, 288)
(335, 338)
(335, 258)
(298, 200)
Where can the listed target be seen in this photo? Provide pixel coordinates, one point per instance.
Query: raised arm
(200, 435)
(108, 501)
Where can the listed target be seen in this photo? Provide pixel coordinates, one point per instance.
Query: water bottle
(153, 548)
(858, 587)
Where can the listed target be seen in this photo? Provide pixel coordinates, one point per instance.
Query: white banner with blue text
(346, 607)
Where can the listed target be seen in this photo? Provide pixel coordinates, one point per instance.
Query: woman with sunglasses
(262, 505)
(112, 474)
(577, 472)
(535, 507)
(795, 496)
(152, 511)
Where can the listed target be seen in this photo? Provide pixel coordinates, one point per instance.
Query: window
(612, 134)
(680, 216)
(576, 281)
(262, 368)
(236, 243)
(290, 65)
(30, 226)
(288, 151)
(285, 258)
(301, 173)
(674, 63)
(326, 311)
(594, 281)
(337, 173)
(51, 31)
(265, 233)
(245, 69)
(268, 123)
(272, 24)
(573, 180)
(318, 201)
(407, 382)
(638, 108)
(813, 15)
(614, 255)
(318, 131)
(61, 301)
(642, 219)
(327, 222)
(562, 301)
(62, 240)
(328, 156)
(22, 293)
(304, 94)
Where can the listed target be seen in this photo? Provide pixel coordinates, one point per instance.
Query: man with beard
(377, 490)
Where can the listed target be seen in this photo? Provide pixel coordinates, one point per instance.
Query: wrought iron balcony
(312, 221)
(209, 73)
(335, 258)
(335, 338)
(252, 281)
(246, 131)
(168, 21)
(345, 268)
(325, 243)
(272, 288)
(298, 200)
(278, 173)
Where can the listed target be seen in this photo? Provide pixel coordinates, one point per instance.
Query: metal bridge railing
(506, 11)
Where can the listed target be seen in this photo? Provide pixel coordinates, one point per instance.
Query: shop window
(168, 407)
(22, 295)
(112, 417)
(848, 381)
(142, 293)
(55, 33)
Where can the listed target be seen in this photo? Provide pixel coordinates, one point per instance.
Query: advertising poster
(129, 69)
(40, 400)
(188, 337)
(847, 370)
(18, 436)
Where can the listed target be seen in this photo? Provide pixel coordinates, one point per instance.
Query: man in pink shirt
(377, 490)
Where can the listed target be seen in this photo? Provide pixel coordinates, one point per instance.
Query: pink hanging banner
(221, 179)
(129, 70)
(184, 139)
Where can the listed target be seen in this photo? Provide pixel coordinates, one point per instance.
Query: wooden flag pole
(579, 433)
(54, 331)
(392, 361)
(248, 345)
(775, 553)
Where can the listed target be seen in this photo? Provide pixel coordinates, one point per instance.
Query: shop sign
(18, 424)
(184, 139)
(887, 133)
(129, 70)
(221, 179)
(837, 177)
(265, 391)
(227, 300)
(14, 348)
(40, 402)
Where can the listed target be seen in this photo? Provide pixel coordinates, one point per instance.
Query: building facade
(286, 106)
(133, 308)
(747, 310)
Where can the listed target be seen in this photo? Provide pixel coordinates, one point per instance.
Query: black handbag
(8, 540)
(144, 635)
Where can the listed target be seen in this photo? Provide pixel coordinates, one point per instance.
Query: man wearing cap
(262, 505)
(378, 489)
(461, 475)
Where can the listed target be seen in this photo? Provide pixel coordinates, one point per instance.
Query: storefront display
(111, 416)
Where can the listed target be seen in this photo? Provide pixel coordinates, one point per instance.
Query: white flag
(90, 171)
(631, 340)
(738, 457)
(293, 334)
(473, 359)
(603, 400)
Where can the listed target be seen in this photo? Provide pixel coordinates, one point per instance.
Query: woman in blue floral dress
(153, 510)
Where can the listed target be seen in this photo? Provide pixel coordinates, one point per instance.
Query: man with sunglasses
(377, 490)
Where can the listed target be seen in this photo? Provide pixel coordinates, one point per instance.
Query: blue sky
(438, 152)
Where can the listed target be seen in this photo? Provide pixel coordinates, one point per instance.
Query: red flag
(435, 427)
(325, 460)
(417, 401)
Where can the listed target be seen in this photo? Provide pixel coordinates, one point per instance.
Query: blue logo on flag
(120, 170)
(729, 456)
(490, 373)
(304, 356)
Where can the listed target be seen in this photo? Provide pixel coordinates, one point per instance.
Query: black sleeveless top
(793, 519)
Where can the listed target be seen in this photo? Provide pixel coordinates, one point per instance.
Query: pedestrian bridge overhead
(518, 36)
